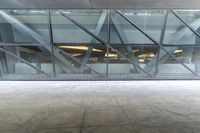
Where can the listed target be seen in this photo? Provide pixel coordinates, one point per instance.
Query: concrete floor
(100, 107)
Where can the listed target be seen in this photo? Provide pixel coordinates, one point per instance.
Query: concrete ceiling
(88, 4)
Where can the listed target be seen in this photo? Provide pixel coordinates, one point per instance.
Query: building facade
(99, 44)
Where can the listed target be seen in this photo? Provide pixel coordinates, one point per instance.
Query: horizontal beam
(99, 44)
(103, 4)
(19, 44)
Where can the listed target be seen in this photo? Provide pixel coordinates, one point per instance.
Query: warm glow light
(78, 54)
(178, 51)
(149, 55)
(141, 60)
(111, 55)
(79, 48)
(136, 50)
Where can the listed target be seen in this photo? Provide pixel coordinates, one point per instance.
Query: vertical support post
(196, 53)
(161, 40)
(51, 42)
(1, 69)
(107, 48)
(18, 52)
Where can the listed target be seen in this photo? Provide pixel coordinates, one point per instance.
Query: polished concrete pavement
(100, 107)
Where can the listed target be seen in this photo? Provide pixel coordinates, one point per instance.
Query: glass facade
(99, 44)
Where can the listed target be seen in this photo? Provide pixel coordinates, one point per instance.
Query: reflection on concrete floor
(100, 107)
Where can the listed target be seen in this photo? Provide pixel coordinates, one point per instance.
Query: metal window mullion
(98, 39)
(107, 48)
(161, 40)
(149, 37)
(1, 69)
(51, 42)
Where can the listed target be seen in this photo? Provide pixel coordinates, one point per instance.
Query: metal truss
(100, 40)
(47, 45)
(97, 32)
(155, 42)
(26, 62)
(66, 60)
(124, 40)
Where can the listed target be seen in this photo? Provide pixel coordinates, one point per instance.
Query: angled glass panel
(122, 32)
(25, 35)
(177, 33)
(80, 61)
(150, 21)
(65, 31)
(36, 56)
(192, 18)
(132, 61)
(182, 66)
(24, 26)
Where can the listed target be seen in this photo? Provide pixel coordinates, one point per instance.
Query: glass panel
(168, 66)
(123, 32)
(132, 61)
(34, 55)
(64, 31)
(191, 17)
(24, 26)
(177, 33)
(78, 55)
(150, 21)
(80, 60)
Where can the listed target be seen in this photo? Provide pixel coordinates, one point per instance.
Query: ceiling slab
(91, 4)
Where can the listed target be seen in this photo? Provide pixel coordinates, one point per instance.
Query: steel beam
(124, 40)
(1, 69)
(155, 42)
(83, 64)
(17, 44)
(107, 49)
(98, 39)
(86, 57)
(97, 32)
(51, 43)
(161, 41)
(131, 44)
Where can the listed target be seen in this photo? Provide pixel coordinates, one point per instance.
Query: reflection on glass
(32, 54)
(95, 21)
(150, 21)
(171, 66)
(23, 26)
(100, 43)
(82, 59)
(177, 33)
(122, 32)
(132, 60)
